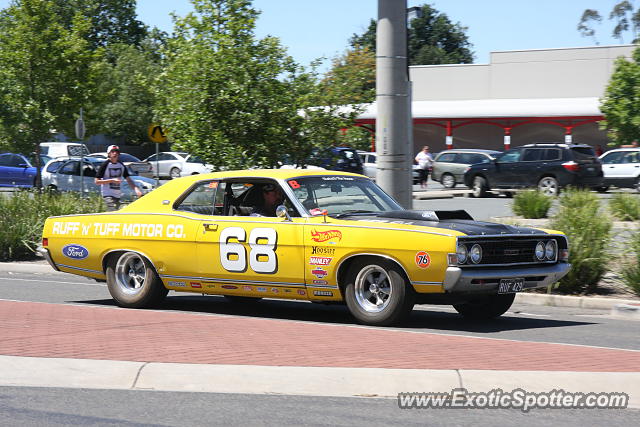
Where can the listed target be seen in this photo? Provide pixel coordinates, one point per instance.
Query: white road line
(54, 282)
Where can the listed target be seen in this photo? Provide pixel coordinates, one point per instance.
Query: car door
(611, 166)
(68, 176)
(6, 170)
(507, 166)
(628, 168)
(251, 255)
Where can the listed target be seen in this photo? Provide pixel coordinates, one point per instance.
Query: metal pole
(81, 160)
(392, 98)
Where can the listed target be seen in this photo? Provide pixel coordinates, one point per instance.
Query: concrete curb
(626, 311)
(439, 194)
(293, 380)
(571, 301)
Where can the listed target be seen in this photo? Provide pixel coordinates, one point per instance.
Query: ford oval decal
(75, 251)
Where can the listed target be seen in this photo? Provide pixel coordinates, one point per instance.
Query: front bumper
(480, 280)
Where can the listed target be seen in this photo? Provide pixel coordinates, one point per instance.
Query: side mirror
(282, 212)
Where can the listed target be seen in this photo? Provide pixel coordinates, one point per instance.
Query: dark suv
(548, 166)
(344, 159)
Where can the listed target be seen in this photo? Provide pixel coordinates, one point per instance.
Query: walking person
(109, 177)
(424, 159)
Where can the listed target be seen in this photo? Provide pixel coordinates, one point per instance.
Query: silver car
(449, 166)
(63, 174)
(370, 169)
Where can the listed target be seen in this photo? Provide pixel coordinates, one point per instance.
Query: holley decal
(323, 236)
(319, 272)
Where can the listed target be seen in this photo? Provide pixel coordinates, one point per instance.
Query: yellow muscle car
(332, 237)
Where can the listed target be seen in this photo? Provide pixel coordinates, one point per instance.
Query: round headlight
(475, 254)
(550, 250)
(540, 251)
(462, 253)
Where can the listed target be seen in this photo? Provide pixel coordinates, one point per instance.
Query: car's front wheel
(480, 187)
(486, 307)
(448, 180)
(174, 173)
(377, 292)
(133, 282)
(549, 186)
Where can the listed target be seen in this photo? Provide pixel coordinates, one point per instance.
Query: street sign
(80, 129)
(156, 134)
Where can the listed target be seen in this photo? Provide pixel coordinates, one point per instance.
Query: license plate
(509, 286)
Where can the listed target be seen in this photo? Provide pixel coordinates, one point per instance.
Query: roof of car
(469, 150)
(555, 144)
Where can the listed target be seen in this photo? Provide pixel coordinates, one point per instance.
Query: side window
(447, 157)
(151, 158)
(612, 158)
(53, 167)
(5, 159)
(15, 160)
(200, 199)
(631, 157)
(70, 168)
(165, 156)
(510, 156)
(552, 154)
(532, 154)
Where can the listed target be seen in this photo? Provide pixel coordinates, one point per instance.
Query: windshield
(341, 195)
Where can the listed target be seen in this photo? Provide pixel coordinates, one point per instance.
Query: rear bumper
(45, 253)
(479, 280)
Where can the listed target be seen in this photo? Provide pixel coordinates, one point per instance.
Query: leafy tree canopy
(623, 15)
(433, 39)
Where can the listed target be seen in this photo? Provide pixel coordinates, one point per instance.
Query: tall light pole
(393, 123)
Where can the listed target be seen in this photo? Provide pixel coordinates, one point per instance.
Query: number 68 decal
(262, 242)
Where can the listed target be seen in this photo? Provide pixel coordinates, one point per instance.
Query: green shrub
(22, 216)
(625, 207)
(631, 272)
(589, 232)
(532, 204)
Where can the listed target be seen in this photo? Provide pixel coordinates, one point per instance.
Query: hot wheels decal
(324, 236)
(423, 260)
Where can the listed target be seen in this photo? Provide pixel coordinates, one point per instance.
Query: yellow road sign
(156, 134)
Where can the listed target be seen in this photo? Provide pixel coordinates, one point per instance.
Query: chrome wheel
(479, 187)
(548, 186)
(373, 289)
(130, 273)
(448, 181)
(174, 173)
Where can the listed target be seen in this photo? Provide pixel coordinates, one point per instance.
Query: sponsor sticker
(260, 289)
(322, 250)
(301, 292)
(423, 259)
(176, 284)
(323, 293)
(229, 287)
(247, 288)
(320, 282)
(275, 290)
(319, 272)
(325, 236)
(320, 260)
(210, 286)
(287, 291)
(195, 285)
(336, 178)
(75, 251)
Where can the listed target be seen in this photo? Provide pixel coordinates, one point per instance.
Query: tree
(620, 104)
(233, 99)
(112, 21)
(433, 39)
(45, 76)
(352, 78)
(622, 14)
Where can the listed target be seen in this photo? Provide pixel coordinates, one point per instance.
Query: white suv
(59, 149)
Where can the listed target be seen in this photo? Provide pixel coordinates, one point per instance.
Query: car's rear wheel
(486, 307)
(637, 184)
(605, 188)
(448, 180)
(377, 292)
(133, 282)
(480, 187)
(174, 173)
(549, 186)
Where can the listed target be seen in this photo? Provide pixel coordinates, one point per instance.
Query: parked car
(370, 169)
(449, 166)
(135, 165)
(16, 171)
(60, 149)
(621, 168)
(175, 164)
(336, 237)
(547, 166)
(343, 159)
(63, 174)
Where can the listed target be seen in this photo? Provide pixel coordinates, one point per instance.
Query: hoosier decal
(322, 250)
(324, 236)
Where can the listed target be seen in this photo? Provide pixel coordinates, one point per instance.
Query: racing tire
(174, 173)
(377, 292)
(486, 307)
(548, 186)
(480, 187)
(448, 181)
(133, 282)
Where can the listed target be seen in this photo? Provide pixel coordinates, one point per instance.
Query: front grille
(510, 250)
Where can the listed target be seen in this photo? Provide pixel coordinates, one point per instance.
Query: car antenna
(324, 215)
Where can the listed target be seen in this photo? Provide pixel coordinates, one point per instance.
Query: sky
(311, 29)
